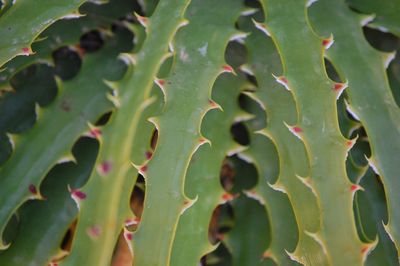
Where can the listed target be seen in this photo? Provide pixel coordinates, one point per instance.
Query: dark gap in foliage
(251, 106)
(331, 71)
(219, 257)
(5, 148)
(66, 243)
(154, 138)
(383, 41)
(11, 229)
(34, 84)
(227, 175)
(361, 148)
(137, 199)
(235, 54)
(91, 41)
(394, 74)
(67, 62)
(252, 79)
(103, 119)
(213, 230)
(112, 10)
(121, 254)
(240, 133)
(237, 175)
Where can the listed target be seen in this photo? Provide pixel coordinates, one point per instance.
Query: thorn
(77, 194)
(327, 43)
(266, 254)
(246, 69)
(227, 197)
(128, 235)
(148, 155)
(262, 27)
(95, 133)
(26, 51)
(228, 69)
(339, 88)
(350, 143)
(355, 187)
(366, 19)
(214, 105)
(282, 80)
(94, 231)
(104, 168)
(32, 189)
(372, 164)
(131, 221)
(128, 59)
(310, 2)
(160, 82)
(388, 58)
(351, 111)
(249, 11)
(254, 195)
(188, 203)
(142, 20)
(239, 37)
(295, 130)
(53, 263)
(143, 169)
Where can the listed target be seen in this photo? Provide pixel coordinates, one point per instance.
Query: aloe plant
(199, 132)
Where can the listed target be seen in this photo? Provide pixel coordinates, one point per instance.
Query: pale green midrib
(334, 160)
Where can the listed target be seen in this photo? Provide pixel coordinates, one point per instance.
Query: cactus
(199, 132)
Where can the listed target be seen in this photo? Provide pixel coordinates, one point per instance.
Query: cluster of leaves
(161, 132)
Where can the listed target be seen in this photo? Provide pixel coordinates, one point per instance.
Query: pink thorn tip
(213, 104)
(202, 140)
(78, 194)
(131, 221)
(26, 51)
(128, 235)
(227, 196)
(94, 231)
(32, 189)
(148, 154)
(143, 169)
(105, 167)
(297, 129)
(220, 236)
(142, 20)
(350, 143)
(327, 43)
(53, 264)
(339, 86)
(160, 82)
(283, 80)
(355, 187)
(266, 254)
(365, 249)
(95, 133)
(228, 69)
